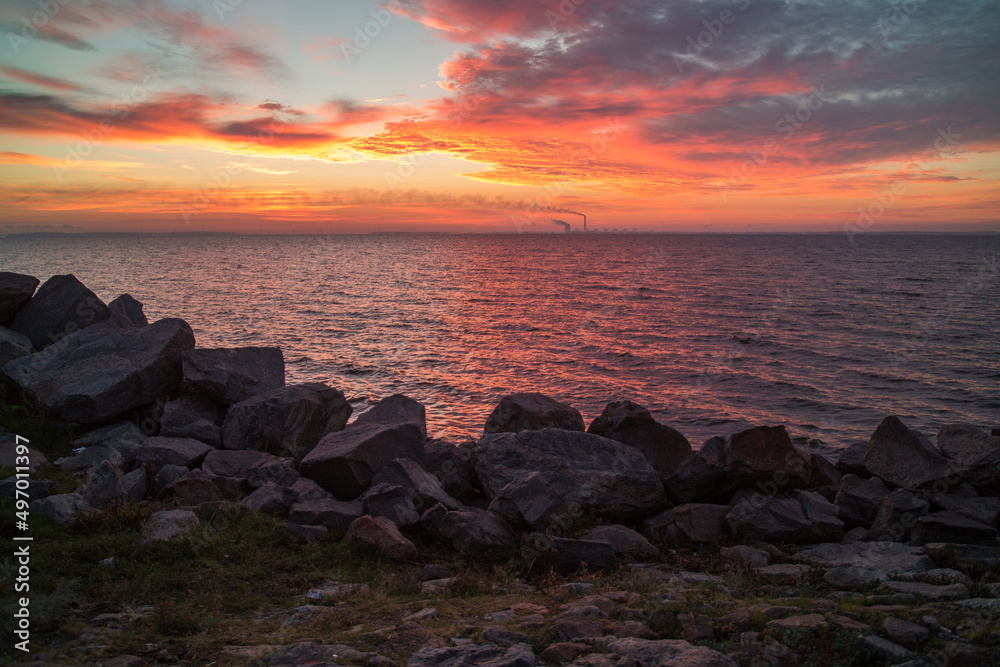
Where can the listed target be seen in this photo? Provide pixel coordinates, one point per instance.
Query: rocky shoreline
(202, 435)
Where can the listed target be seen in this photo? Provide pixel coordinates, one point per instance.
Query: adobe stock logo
(706, 38)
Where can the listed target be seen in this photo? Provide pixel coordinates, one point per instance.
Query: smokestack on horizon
(564, 224)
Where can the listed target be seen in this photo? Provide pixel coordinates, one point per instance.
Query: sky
(499, 115)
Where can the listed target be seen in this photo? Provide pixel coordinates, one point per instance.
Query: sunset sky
(499, 115)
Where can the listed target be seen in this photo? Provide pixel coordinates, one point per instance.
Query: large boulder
(823, 516)
(126, 313)
(475, 530)
(91, 379)
(859, 500)
(61, 306)
(633, 425)
(566, 555)
(765, 457)
(530, 411)
(125, 437)
(976, 453)
(197, 417)
(63, 508)
(422, 488)
(391, 502)
(767, 519)
(622, 539)
(288, 421)
(984, 510)
(702, 522)
(454, 466)
(15, 290)
(380, 533)
(896, 515)
(232, 375)
(160, 451)
(852, 459)
(105, 485)
(271, 499)
(950, 526)
(902, 458)
(528, 501)
(226, 463)
(469, 655)
(168, 524)
(588, 472)
(701, 476)
(345, 462)
(395, 409)
(196, 487)
(13, 346)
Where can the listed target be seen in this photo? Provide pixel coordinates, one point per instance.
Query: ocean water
(712, 333)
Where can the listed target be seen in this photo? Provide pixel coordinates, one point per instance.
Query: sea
(713, 333)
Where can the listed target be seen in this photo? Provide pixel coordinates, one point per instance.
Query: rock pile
(199, 426)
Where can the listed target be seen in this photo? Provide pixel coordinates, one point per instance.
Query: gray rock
(566, 555)
(530, 411)
(453, 465)
(104, 486)
(35, 488)
(973, 560)
(896, 516)
(89, 378)
(623, 540)
(122, 436)
(381, 534)
(701, 476)
(232, 375)
(197, 417)
(270, 499)
(633, 425)
(288, 421)
(277, 470)
(395, 409)
(984, 510)
(765, 457)
(662, 525)
(902, 458)
(168, 474)
(15, 290)
(90, 457)
(905, 632)
(475, 530)
(229, 463)
(823, 473)
(13, 346)
(12, 456)
(702, 522)
(943, 575)
(860, 564)
(167, 524)
(158, 452)
(852, 460)
(126, 313)
(503, 637)
(63, 508)
(391, 502)
(930, 591)
(756, 557)
(331, 513)
(345, 462)
(528, 501)
(768, 519)
(859, 500)
(194, 488)
(431, 519)
(885, 649)
(61, 306)
(949, 526)
(976, 454)
(422, 489)
(664, 652)
(590, 473)
(823, 516)
(135, 485)
(469, 655)
(306, 489)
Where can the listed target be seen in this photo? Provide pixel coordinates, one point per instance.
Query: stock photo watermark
(48, 10)
(714, 28)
